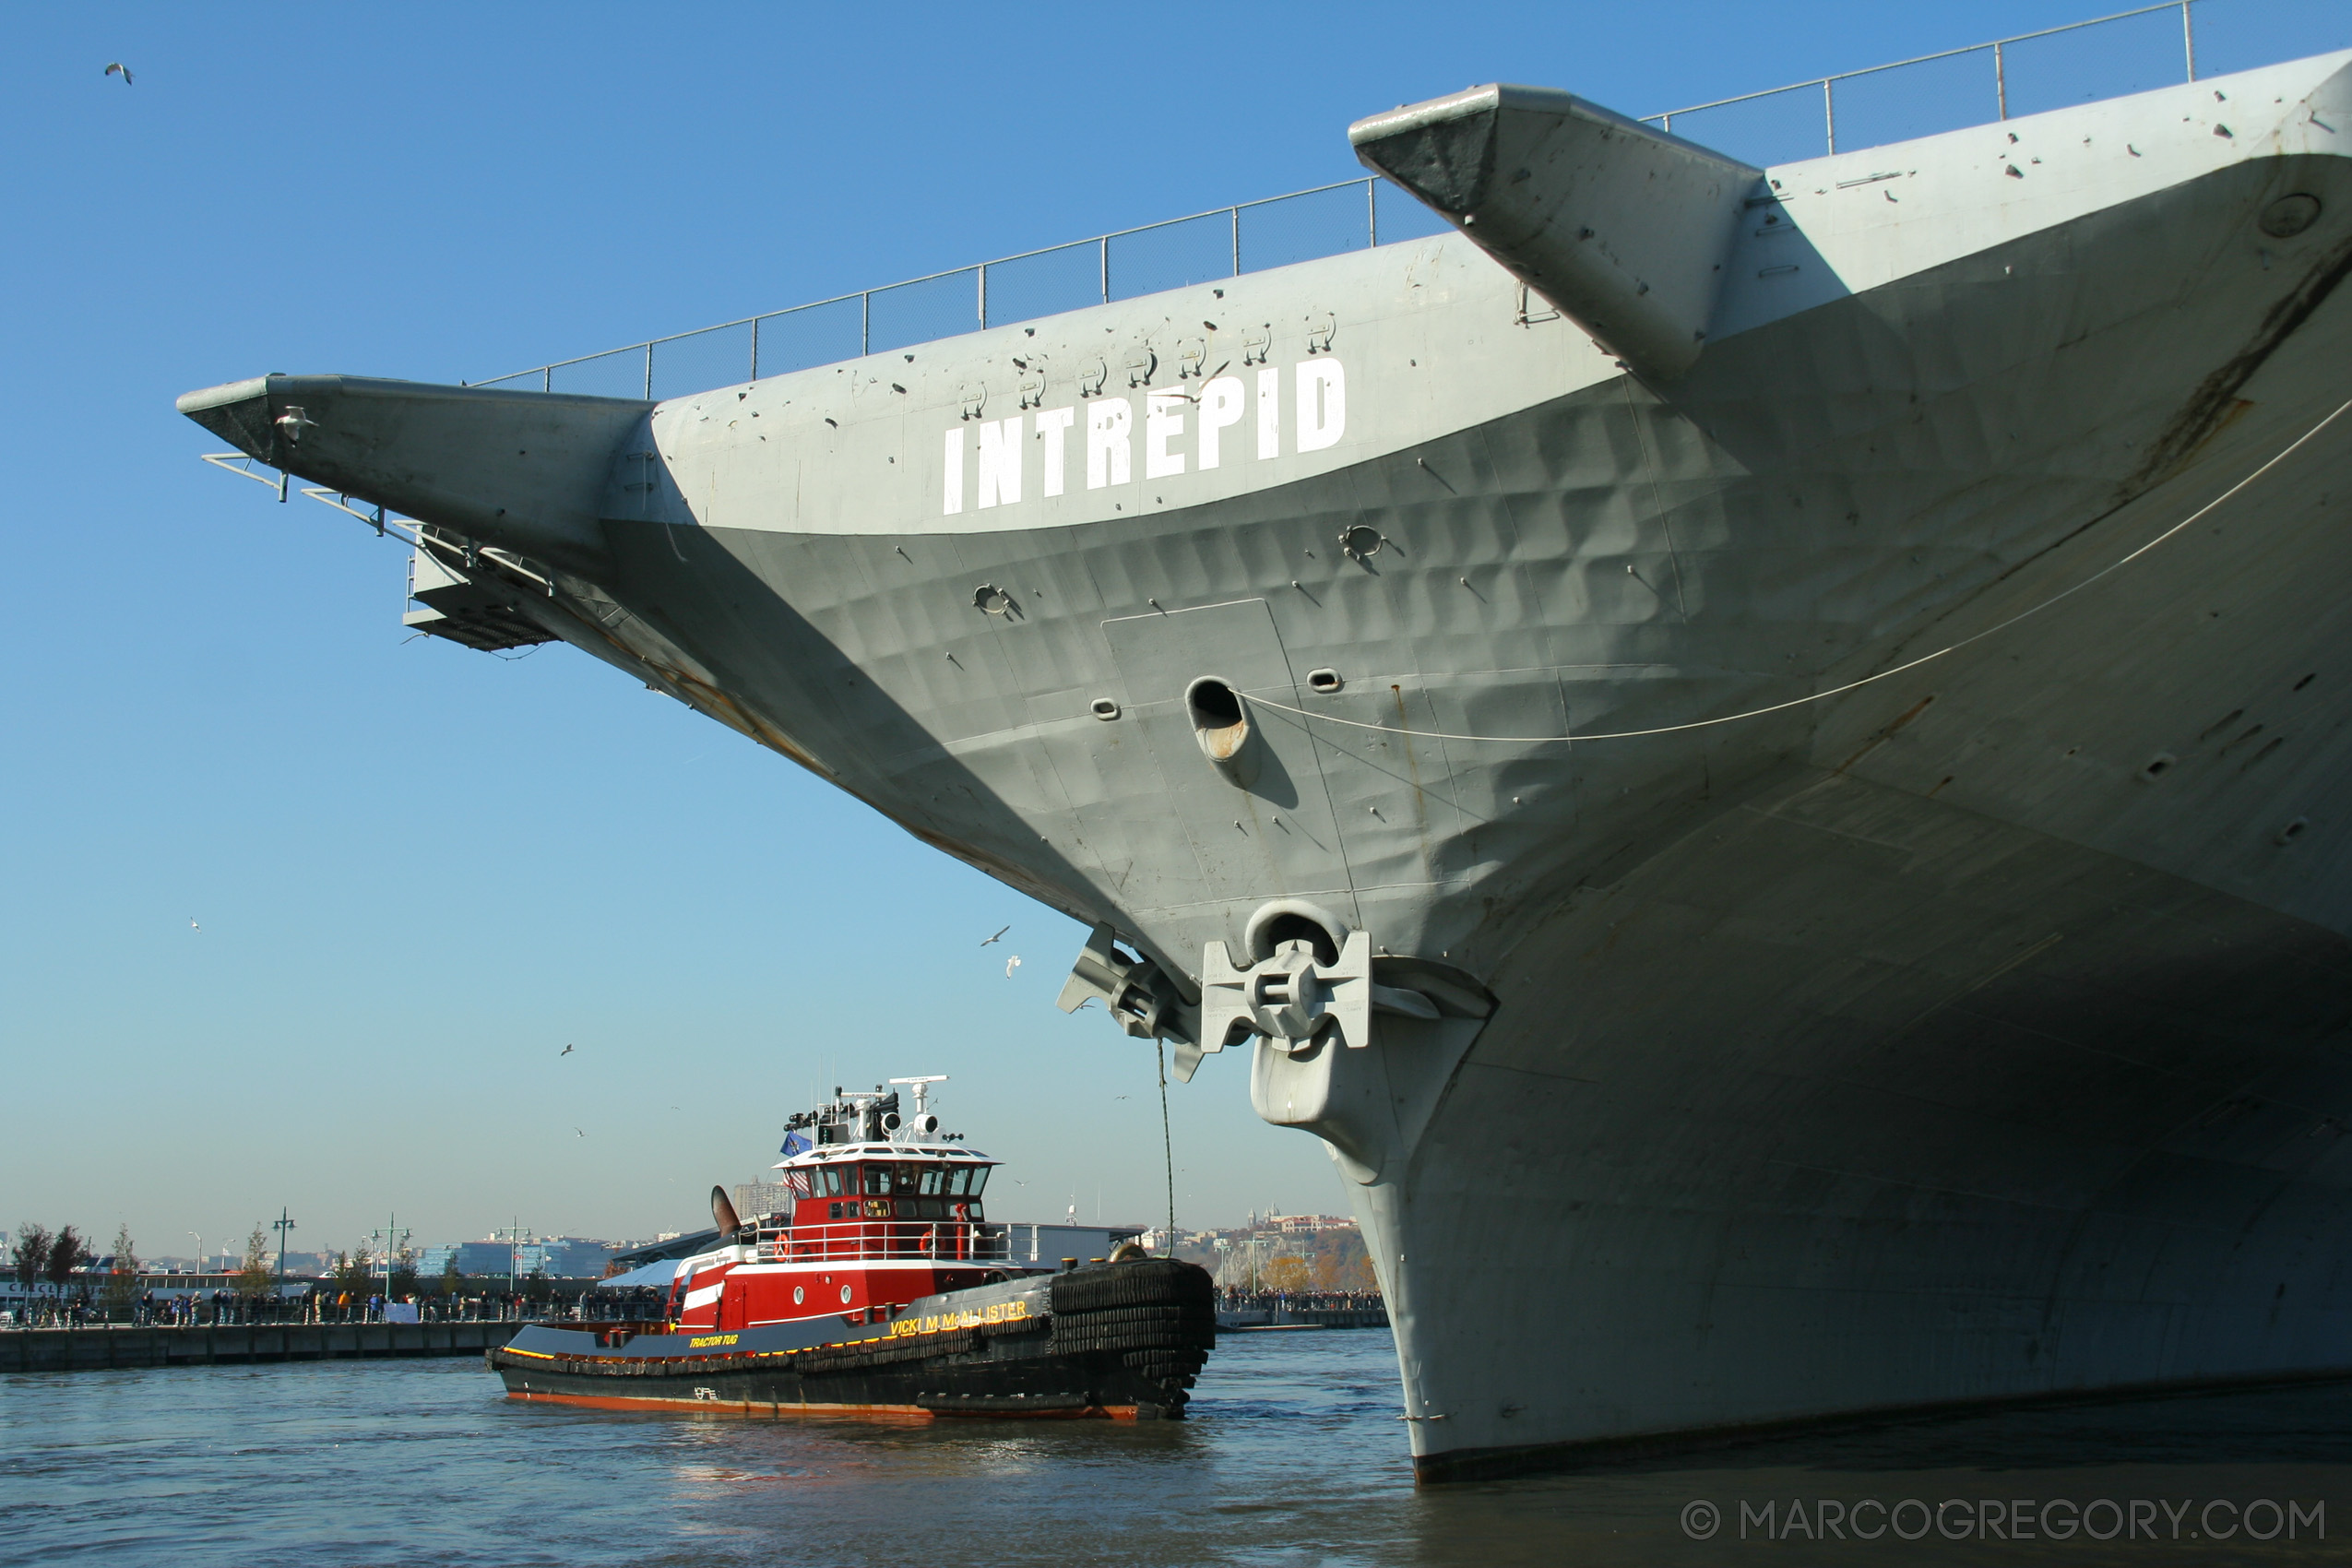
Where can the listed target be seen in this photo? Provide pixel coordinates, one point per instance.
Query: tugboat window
(979, 1178)
(829, 1181)
(932, 1173)
(910, 1176)
(878, 1180)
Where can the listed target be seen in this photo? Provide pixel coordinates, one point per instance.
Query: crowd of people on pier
(326, 1304)
(194, 1309)
(1235, 1300)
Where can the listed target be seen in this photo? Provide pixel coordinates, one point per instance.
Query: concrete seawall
(76, 1350)
(1296, 1317)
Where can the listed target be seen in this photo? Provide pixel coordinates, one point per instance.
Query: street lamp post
(393, 1238)
(199, 1268)
(282, 1224)
(513, 1233)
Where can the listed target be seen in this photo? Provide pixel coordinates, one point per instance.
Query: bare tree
(253, 1279)
(124, 1282)
(31, 1254)
(354, 1271)
(1286, 1274)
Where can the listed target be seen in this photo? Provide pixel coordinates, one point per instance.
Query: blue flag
(794, 1144)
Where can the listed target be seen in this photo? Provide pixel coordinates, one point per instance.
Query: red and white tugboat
(882, 1289)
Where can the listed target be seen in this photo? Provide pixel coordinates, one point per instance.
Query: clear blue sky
(420, 871)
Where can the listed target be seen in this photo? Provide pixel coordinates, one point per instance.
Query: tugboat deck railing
(887, 1241)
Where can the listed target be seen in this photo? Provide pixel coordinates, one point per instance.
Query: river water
(1294, 1455)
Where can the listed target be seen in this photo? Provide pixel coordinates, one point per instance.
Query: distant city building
(487, 1257)
(753, 1200)
(578, 1257)
(558, 1257)
(1309, 1224)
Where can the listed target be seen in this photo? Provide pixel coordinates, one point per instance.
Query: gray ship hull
(1776, 1051)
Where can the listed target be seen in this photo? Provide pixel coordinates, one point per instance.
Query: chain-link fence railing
(2105, 58)
(1250, 237)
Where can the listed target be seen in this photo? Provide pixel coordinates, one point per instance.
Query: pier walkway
(76, 1350)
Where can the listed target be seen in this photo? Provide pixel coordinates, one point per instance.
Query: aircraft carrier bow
(1760, 753)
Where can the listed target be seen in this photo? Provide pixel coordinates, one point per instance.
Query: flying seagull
(1011, 964)
(578, 1133)
(116, 68)
(565, 1051)
(192, 924)
(1000, 931)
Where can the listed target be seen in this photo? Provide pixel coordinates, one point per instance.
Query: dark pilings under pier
(76, 1349)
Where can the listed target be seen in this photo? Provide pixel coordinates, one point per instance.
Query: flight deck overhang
(1624, 228)
(523, 471)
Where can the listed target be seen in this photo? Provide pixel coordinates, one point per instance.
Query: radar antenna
(922, 1086)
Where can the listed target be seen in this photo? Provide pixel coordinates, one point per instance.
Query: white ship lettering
(994, 459)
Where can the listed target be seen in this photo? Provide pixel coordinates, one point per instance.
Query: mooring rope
(2114, 566)
(1167, 1143)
